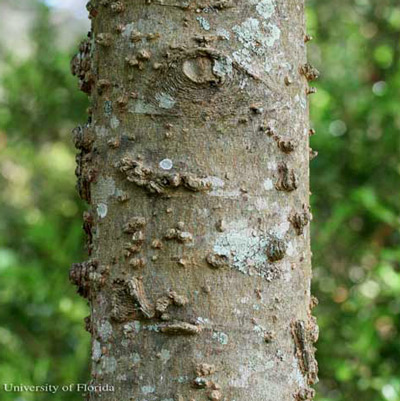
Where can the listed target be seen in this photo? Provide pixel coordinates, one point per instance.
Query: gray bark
(195, 163)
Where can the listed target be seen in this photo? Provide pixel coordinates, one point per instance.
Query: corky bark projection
(195, 164)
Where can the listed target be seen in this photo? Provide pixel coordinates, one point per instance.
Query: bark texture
(195, 163)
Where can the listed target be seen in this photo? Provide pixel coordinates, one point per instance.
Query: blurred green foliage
(356, 205)
(42, 339)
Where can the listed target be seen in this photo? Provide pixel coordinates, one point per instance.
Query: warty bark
(195, 163)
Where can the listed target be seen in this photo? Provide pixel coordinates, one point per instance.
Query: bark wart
(195, 164)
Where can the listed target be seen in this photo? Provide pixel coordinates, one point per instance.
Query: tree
(194, 162)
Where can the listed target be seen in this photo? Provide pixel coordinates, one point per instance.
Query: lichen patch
(203, 23)
(257, 38)
(166, 164)
(265, 8)
(102, 210)
(165, 100)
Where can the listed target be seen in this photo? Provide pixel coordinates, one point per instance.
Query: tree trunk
(195, 163)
